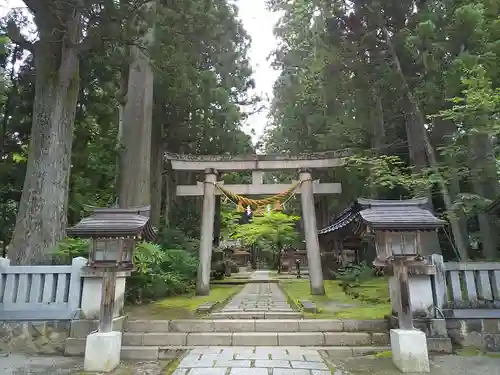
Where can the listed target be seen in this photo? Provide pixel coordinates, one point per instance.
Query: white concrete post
(4, 262)
(75, 282)
(207, 233)
(92, 292)
(311, 233)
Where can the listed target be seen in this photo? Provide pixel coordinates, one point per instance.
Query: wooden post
(107, 300)
(405, 316)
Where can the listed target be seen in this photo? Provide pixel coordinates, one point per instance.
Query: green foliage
(159, 272)
(382, 77)
(202, 82)
(71, 248)
(353, 275)
(274, 229)
(174, 238)
(387, 172)
(271, 232)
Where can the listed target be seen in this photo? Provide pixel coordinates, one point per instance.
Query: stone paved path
(263, 297)
(260, 275)
(252, 361)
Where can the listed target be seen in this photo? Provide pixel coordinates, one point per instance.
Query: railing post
(438, 284)
(4, 263)
(75, 283)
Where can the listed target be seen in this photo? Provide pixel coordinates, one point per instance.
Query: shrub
(174, 238)
(160, 273)
(70, 248)
(353, 274)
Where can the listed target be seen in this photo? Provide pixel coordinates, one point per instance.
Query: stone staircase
(153, 339)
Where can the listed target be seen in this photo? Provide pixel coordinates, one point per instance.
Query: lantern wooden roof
(115, 223)
(396, 215)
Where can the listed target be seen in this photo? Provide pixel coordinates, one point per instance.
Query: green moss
(384, 354)
(171, 366)
(473, 352)
(369, 300)
(182, 306)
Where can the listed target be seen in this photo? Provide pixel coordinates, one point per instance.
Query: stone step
(81, 328)
(76, 347)
(256, 325)
(252, 339)
(256, 315)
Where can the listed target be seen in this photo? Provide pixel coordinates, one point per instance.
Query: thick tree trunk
(378, 136)
(135, 158)
(378, 123)
(156, 174)
(41, 219)
(170, 194)
(135, 166)
(485, 184)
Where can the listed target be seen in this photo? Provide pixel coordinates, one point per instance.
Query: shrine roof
(410, 214)
(115, 223)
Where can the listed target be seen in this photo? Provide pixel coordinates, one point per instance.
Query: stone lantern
(113, 233)
(397, 227)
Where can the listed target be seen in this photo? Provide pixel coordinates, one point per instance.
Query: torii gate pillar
(311, 233)
(207, 233)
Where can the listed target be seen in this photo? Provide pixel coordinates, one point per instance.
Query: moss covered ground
(182, 306)
(368, 300)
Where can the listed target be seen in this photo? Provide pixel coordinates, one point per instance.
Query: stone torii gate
(257, 164)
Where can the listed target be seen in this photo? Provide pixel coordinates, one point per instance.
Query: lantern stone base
(92, 293)
(102, 351)
(409, 350)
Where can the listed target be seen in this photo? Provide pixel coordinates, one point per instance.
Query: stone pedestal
(409, 350)
(92, 291)
(420, 293)
(102, 351)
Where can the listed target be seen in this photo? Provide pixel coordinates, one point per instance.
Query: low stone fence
(483, 334)
(54, 292)
(44, 337)
(458, 299)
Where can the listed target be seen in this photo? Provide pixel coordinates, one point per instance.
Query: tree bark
(378, 136)
(41, 218)
(170, 194)
(485, 184)
(135, 166)
(156, 173)
(135, 157)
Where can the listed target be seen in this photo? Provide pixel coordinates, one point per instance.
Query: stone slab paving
(260, 275)
(246, 360)
(265, 297)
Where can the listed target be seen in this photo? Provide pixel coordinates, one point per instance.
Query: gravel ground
(440, 365)
(19, 364)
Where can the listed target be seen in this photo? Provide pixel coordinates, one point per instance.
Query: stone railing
(53, 292)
